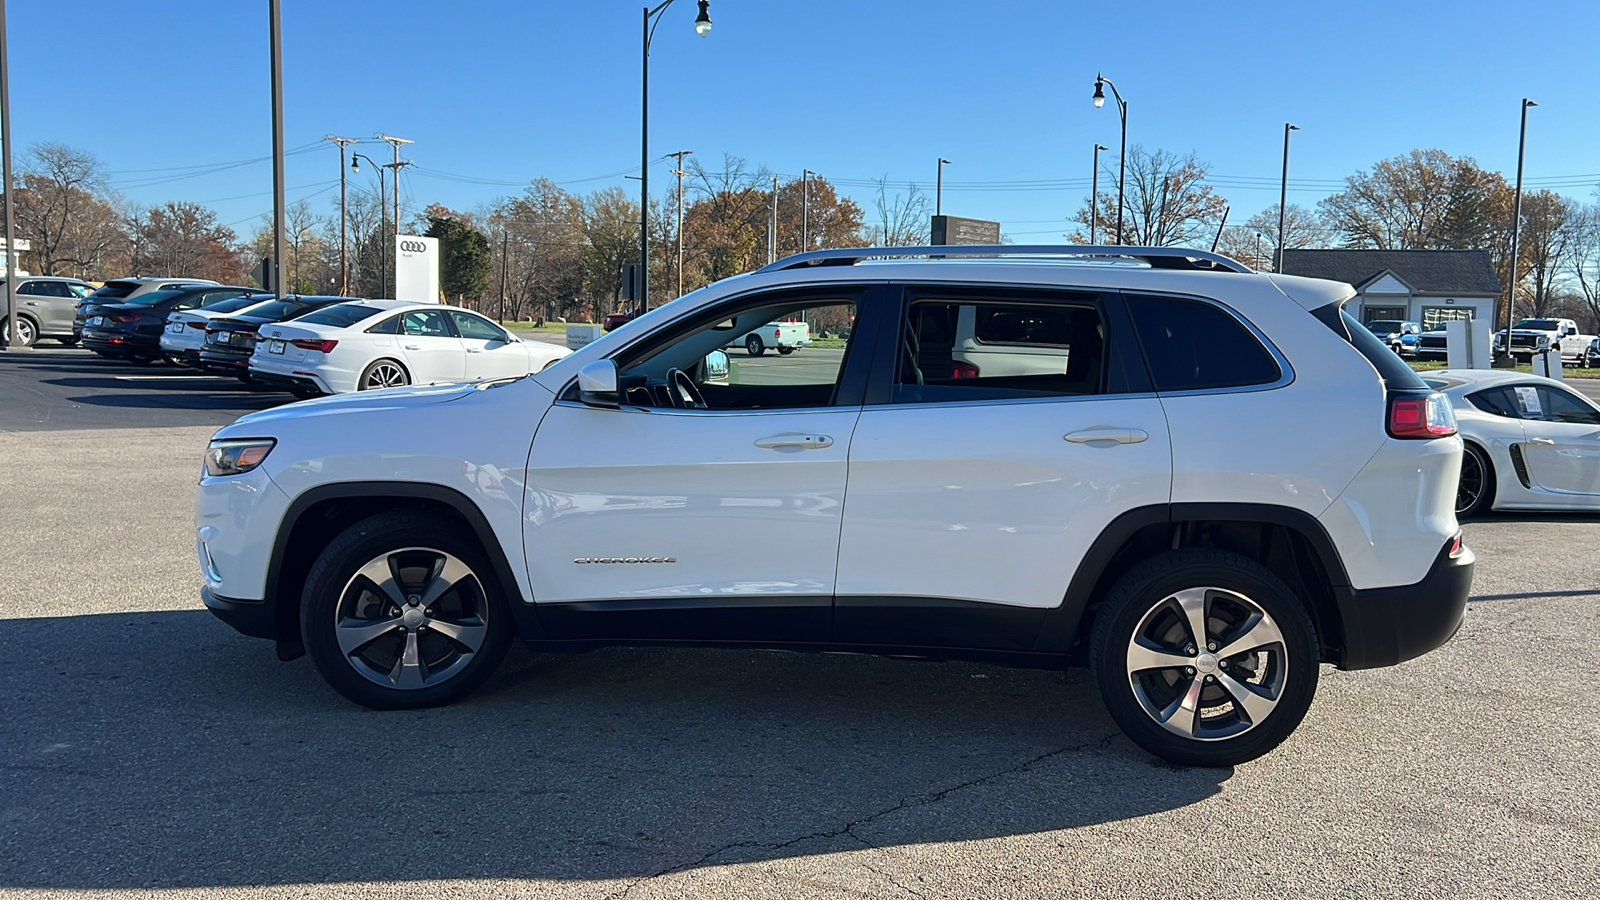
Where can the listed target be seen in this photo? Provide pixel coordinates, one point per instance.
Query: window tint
(1496, 401)
(978, 349)
(1190, 345)
(427, 323)
(1559, 406)
(390, 325)
(277, 309)
(154, 297)
(476, 328)
(116, 290)
(31, 287)
(341, 315)
(235, 304)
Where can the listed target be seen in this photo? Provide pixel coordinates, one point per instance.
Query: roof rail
(1154, 257)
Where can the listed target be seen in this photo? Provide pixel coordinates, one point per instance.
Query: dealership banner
(416, 268)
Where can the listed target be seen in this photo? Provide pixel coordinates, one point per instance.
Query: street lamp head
(944, 161)
(702, 22)
(1101, 147)
(355, 163)
(1294, 127)
(1527, 102)
(1099, 93)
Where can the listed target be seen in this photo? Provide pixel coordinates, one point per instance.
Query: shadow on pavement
(160, 750)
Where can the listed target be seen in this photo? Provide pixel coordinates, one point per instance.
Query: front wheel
(1204, 657)
(1475, 490)
(402, 611)
(383, 373)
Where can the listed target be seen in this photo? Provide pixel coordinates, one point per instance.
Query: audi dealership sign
(416, 268)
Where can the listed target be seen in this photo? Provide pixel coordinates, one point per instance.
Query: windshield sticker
(1528, 399)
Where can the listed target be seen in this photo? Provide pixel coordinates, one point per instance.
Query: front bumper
(251, 618)
(1385, 626)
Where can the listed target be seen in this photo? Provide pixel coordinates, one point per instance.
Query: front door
(1015, 429)
(706, 504)
(490, 351)
(1562, 446)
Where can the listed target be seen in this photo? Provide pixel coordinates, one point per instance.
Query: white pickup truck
(1562, 334)
(784, 337)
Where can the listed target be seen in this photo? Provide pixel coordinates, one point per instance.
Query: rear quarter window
(1191, 345)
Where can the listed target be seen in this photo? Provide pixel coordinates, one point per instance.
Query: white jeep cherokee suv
(1200, 481)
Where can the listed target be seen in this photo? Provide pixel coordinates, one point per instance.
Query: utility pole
(772, 228)
(1283, 196)
(344, 260)
(5, 140)
(678, 171)
(505, 267)
(805, 210)
(276, 31)
(397, 165)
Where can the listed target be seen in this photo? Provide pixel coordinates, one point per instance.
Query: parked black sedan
(231, 340)
(131, 329)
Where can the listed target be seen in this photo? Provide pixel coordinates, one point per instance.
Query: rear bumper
(1385, 626)
(278, 379)
(226, 363)
(113, 342)
(251, 618)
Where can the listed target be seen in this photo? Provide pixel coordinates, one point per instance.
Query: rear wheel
(1205, 658)
(1475, 490)
(785, 351)
(68, 341)
(753, 345)
(383, 373)
(305, 393)
(402, 612)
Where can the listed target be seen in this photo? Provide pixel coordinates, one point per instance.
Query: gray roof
(1427, 271)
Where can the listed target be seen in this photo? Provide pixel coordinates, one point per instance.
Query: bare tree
(1548, 224)
(1166, 203)
(183, 239)
(1254, 241)
(1583, 262)
(902, 221)
(67, 212)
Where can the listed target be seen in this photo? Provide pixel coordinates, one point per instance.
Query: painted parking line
(167, 377)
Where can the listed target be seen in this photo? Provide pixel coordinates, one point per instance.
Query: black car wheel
(305, 393)
(753, 345)
(1204, 657)
(402, 611)
(1475, 490)
(68, 341)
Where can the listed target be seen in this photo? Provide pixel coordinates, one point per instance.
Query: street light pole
(702, 27)
(383, 223)
(276, 31)
(1283, 196)
(1094, 193)
(772, 228)
(10, 313)
(938, 190)
(805, 210)
(1122, 151)
(344, 261)
(1508, 361)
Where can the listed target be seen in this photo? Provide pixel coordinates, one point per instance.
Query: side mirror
(597, 384)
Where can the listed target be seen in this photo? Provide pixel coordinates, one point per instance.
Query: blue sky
(507, 91)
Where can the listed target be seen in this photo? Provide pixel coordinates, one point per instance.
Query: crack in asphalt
(849, 829)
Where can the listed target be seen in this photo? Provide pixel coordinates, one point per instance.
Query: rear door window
(1192, 345)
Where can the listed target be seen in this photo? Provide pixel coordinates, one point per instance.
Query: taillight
(319, 346)
(199, 325)
(961, 369)
(122, 317)
(777, 333)
(1421, 416)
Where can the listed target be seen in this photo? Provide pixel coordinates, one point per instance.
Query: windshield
(1538, 324)
(341, 315)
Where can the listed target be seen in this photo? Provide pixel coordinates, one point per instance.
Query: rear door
(974, 495)
(433, 352)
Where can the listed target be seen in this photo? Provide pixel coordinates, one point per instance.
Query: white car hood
(387, 400)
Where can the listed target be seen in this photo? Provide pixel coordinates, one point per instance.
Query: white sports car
(368, 344)
(1531, 442)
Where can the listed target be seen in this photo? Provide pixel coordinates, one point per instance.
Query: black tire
(371, 668)
(1238, 596)
(785, 351)
(305, 393)
(67, 341)
(1475, 489)
(375, 371)
(27, 331)
(754, 346)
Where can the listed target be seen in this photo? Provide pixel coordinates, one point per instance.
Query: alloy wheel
(1469, 490)
(411, 618)
(1207, 663)
(384, 375)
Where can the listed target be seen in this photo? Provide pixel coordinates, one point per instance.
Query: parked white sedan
(1531, 442)
(367, 344)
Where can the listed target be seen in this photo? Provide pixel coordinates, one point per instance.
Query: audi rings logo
(413, 247)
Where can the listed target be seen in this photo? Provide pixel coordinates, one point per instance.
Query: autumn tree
(830, 220)
(537, 245)
(1166, 203)
(67, 213)
(1549, 221)
(611, 225)
(181, 238)
(725, 230)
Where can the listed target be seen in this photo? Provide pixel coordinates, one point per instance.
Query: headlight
(235, 457)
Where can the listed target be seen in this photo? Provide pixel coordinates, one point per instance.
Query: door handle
(795, 441)
(1104, 433)
(413, 346)
(470, 350)
(1541, 440)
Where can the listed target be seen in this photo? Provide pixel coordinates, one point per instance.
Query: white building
(1427, 286)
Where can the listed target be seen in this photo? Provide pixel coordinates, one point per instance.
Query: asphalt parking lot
(148, 750)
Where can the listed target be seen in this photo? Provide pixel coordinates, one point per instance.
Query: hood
(386, 400)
